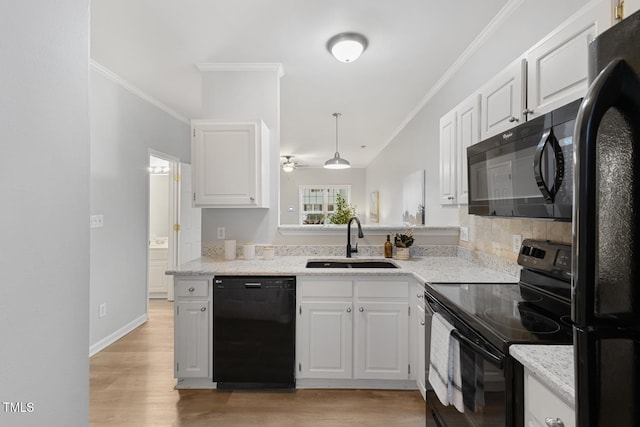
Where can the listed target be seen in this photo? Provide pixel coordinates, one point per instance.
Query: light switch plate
(96, 221)
(221, 233)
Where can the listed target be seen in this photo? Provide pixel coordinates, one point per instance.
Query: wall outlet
(96, 221)
(516, 242)
(102, 310)
(464, 234)
(221, 232)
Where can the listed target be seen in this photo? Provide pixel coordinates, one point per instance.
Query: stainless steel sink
(350, 263)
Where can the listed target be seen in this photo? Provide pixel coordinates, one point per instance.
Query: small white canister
(249, 250)
(229, 250)
(268, 253)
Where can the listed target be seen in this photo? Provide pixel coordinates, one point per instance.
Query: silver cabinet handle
(420, 296)
(450, 198)
(422, 323)
(348, 309)
(252, 198)
(191, 289)
(527, 111)
(361, 309)
(203, 309)
(514, 119)
(553, 422)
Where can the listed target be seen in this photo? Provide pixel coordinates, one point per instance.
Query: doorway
(161, 242)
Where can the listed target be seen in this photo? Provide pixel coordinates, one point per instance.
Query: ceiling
(156, 44)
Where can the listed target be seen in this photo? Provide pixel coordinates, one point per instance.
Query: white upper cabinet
(503, 100)
(458, 129)
(557, 67)
(230, 164)
(468, 133)
(447, 158)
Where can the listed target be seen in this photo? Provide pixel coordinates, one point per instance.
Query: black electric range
(489, 317)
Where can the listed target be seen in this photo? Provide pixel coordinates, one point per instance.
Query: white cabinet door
(192, 335)
(230, 164)
(327, 340)
(447, 159)
(541, 403)
(631, 6)
(557, 67)
(467, 133)
(502, 100)
(382, 340)
(157, 281)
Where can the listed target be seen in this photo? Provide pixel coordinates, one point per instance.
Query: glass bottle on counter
(388, 248)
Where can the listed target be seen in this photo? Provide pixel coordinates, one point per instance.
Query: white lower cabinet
(421, 374)
(192, 325)
(352, 329)
(326, 339)
(157, 281)
(542, 406)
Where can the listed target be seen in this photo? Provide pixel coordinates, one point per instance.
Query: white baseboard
(110, 339)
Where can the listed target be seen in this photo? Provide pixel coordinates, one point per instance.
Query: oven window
(491, 411)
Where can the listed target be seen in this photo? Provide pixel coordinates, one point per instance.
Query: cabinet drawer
(383, 289)
(193, 288)
(330, 289)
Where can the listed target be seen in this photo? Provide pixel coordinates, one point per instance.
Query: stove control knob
(553, 422)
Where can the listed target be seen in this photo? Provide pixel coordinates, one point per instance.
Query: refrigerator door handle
(548, 138)
(615, 86)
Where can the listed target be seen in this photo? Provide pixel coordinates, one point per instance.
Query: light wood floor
(131, 384)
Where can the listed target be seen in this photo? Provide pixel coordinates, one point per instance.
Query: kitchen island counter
(424, 269)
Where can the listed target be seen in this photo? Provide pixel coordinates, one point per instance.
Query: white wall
(244, 95)
(123, 129)
(44, 183)
(417, 145)
(290, 182)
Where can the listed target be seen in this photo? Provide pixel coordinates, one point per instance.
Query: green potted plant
(403, 242)
(343, 211)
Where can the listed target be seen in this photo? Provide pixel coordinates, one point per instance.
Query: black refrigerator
(606, 233)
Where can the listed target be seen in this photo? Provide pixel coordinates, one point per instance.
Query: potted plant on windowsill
(403, 242)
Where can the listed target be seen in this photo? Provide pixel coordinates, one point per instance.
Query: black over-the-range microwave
(526, 171)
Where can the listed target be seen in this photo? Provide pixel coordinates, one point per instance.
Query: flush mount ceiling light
(347, 47)
(288, 165)
(336, 162)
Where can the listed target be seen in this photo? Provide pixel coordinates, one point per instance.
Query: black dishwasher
(254, 332)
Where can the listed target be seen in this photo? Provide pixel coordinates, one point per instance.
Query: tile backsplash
(494, 235)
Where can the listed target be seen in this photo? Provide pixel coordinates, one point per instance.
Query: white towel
(444, 365)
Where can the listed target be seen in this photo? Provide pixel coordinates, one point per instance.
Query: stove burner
(527, 322)
(567, 320)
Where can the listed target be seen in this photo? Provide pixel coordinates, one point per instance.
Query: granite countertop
(552, 364)
(425, 269)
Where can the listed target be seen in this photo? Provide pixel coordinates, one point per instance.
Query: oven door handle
(478, 348)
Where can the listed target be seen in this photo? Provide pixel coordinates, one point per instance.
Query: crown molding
(497, 20)
(242, 66)
(136, 91)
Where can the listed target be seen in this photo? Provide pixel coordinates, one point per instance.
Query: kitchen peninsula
(347, 298)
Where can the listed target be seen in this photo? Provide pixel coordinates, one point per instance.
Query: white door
(631, 6)
(189, 219)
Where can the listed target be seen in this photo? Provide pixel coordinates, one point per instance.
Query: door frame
(173, 207)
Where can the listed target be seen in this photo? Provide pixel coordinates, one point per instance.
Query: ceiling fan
(289, 165)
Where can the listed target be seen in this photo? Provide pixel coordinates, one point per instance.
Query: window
(317, 201)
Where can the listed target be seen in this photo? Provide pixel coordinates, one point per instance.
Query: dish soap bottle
(388, 248)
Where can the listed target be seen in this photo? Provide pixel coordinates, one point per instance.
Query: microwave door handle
(537, 166)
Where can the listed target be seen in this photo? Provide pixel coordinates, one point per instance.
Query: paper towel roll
(229, 249)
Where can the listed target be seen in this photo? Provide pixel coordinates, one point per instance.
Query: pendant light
(337, 162)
